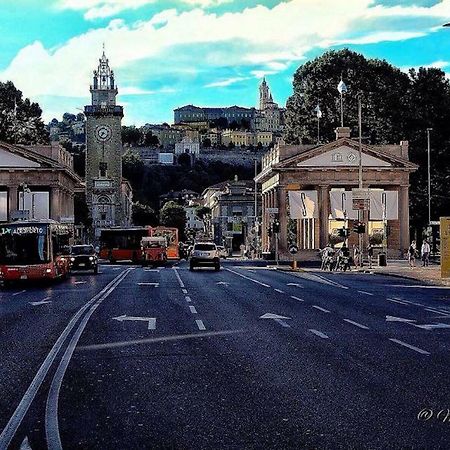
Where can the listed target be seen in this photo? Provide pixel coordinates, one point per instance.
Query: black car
(83, 257)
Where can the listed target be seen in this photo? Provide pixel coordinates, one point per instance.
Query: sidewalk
(400, 268)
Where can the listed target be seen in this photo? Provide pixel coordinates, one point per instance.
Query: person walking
(412, 251)
(356, 256)
(370, 254)
(425, 252)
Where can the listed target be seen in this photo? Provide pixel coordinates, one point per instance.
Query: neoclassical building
(309, 189)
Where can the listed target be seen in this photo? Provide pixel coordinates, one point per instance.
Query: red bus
(171, 235)
(34, 250)
(122, 244)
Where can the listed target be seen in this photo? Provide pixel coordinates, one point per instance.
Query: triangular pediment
(345, 153)
(10, 159)
(343, 156)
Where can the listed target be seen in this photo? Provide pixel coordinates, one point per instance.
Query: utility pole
(429, 174)
(256, 223)
(360, 177)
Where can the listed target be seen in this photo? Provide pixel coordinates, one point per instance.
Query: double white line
(51, 420)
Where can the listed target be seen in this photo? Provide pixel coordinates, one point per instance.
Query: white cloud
(265, 40)
(226, 82)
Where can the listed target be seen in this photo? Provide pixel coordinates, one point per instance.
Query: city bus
(122, 244)
(171, 235)
(34, 250)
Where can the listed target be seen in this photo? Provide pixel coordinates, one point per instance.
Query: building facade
(310, 190)
(37, 182)
(187, 145)
(104, 183)
(246, 138)
(269, 116)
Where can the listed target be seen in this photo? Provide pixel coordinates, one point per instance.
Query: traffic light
(276, 226)
(269, 231)
(359, 228)
(343, 232)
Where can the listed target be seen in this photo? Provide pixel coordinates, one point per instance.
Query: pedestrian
(412, 253)
(356, 255)
(370, 254)
(425, 251)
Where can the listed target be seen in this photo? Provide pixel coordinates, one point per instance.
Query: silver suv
(204, 254)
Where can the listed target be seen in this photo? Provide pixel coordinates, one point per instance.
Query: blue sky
(167, 53)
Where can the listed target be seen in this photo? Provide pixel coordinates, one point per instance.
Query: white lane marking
(295, 284)
(279, 290)
(16, 419)
(321, 309)
(248, 278)
(296, 298)
(404, 344)
(407, 301)
(398, 319)
(148, 284)
(25, 445)
(356, 324)
(188, 299)
(414, 286)
(18, 293)
(278, 319)
(44, 301)
(333, 283)
(192, 309)
(432, 326)
(184, 291)
(116, 268)
(200, 325)
(79, 282)
(151, 320)
(396, 301)
(222, 283)
(437, 311)
(179, 278)
(319, 333)
(151, 270)
(51, 410)
(366, 293)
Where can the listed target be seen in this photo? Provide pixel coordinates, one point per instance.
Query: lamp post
(360, 176)
(429, 174)
(342, 88)
(319, 116)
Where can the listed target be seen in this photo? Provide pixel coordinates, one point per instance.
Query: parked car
(204, 254)
(83, 257)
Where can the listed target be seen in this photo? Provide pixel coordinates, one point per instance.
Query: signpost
(293, 250)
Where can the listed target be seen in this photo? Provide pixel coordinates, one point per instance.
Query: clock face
(103, 133)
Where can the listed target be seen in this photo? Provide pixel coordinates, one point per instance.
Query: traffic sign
(272, 210)
(293, 249)
(360, 204)
(360, 194)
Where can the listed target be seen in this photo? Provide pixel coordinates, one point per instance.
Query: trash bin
(382, 260)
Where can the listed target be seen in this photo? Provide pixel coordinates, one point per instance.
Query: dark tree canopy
(20, 119)
(173, 215)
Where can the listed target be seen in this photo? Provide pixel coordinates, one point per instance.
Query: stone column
(13, 199)
(264, 221)
(281, 201)
(324, 211)
(403, 216)
(55, 206)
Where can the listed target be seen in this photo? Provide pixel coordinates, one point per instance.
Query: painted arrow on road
(42, 302)
(277, 318)
(398, 319)
(151, 320)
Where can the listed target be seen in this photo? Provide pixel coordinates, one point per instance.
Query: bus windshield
(26, 244)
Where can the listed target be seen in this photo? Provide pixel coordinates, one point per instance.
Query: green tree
(131, 136)
(173, 215)
(144, 215)
(204, 214)
(206, 143)
(20, 120)
(151, 140)
(383, 88)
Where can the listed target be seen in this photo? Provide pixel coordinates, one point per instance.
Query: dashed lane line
(297, 298)
(179, 278)
(192, 309)
(321, 309)
(396, 301)
(248, 278)
(356, 324)
(366, 293)
(188, 299)
(18, 293)
(319, 334)
(200, 325)
(184, 291)
(279, 291)
(412, 347)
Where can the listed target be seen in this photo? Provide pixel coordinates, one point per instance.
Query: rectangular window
(3, 206)
(103, 167)
(37, 202)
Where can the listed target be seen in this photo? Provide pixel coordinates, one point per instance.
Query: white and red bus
(171, 235)
(34, 250)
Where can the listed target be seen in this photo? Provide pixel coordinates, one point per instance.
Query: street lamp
(429, 174)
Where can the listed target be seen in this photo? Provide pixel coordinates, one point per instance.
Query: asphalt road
(247, 357)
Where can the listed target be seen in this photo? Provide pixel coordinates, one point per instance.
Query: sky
(169, 53)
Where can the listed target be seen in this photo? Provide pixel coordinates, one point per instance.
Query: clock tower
(104, 186)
